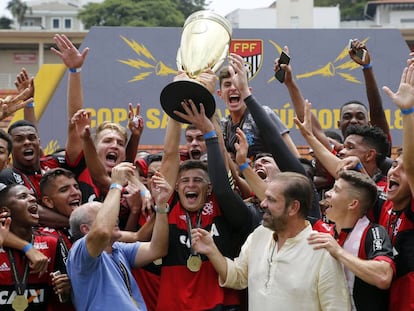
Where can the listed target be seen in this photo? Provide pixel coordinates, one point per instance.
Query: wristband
(30, 105)
(161, 210)
(115, 186)
(75, 70)
(144, 193)
(407, 111)
(243, 166)
(359, 167)
(210, 134)
(367, 66)
(27, 247)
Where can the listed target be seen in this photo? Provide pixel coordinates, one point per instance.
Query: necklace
(270, 262)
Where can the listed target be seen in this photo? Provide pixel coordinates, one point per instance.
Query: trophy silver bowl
(205, 41)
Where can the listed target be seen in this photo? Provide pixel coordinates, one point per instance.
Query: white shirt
(296, 277)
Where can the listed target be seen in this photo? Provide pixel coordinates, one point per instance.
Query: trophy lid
(206, 14)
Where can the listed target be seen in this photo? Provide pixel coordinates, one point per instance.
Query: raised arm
(232, 205)
(257, 184)
(404, 99)
(100, 234)
(158, 246)
(23, 82)
(73, 59)
(298, 101)
(376, 109)
(329, 160)
(81, 121)
(136, 126)
(284, 158)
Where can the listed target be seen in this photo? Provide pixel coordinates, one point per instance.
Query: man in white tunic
(276, 263)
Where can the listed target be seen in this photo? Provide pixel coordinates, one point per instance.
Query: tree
(350, 9)
(147, 13)
(190, 6)
(5, 22)
(18, 9)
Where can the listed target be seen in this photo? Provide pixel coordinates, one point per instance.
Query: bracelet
(30, 105)
(243, 166)
(162, 210)
(75, 70)
(27, 247)
(145, 193)
(407, 111)
(210, 134)
(115, 186)
(358, 167)
(367, 66)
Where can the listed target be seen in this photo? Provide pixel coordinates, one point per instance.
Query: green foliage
(146, 13)
(18, 9)
(5, 22)
(350, 9)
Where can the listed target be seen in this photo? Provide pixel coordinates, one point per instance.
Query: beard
(276, 223)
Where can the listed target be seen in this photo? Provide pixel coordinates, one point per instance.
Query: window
(55, 23)
(294, 21)
(68, 23)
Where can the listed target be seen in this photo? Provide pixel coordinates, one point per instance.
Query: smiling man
(275, 249)
(363, 248)
(24, 288)
(240, 117)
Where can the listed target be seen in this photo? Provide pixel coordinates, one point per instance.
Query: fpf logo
(252, 53)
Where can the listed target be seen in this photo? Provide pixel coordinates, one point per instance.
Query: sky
(221, 7)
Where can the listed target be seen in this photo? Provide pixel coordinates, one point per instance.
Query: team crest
(252, 53)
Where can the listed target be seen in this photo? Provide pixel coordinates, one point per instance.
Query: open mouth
(392, 185)
(191, 196)
(195, 154)
(74, 204)
(111, 157)
(262, 174)
(28, 153)
(234, 99)
(33, 211)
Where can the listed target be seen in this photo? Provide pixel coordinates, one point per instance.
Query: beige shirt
(294, 278)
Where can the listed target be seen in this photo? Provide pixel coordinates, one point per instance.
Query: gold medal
(20, 303)
(194, 263)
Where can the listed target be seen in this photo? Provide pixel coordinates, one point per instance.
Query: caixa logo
(32, 295)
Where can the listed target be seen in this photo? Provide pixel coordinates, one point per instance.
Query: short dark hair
(51, 175)
(363, 185)
(296, 187)
(5, 136)
(192, 164)
(223, 74)
(190, 127)
(374, 137)
(153, 157)
(4, 193)
(334, 135)
(262, 155)
(21, 123)
(352, 102)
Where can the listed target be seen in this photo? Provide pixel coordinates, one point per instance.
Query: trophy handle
(178, 60)
(222, 58)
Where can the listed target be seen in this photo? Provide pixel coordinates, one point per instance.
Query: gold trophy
(204, 44)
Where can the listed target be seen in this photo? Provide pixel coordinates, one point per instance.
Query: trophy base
(176, 92)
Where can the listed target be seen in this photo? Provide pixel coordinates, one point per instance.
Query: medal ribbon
(190, 226)
(127, 281)
(19, 284)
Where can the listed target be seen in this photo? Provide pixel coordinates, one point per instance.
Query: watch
(162, 210)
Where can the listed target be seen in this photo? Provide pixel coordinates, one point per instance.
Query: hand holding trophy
(204, 45)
